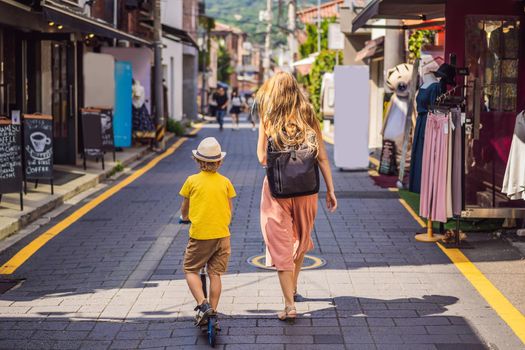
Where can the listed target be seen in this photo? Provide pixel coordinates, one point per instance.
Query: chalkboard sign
(92, 135)
(38, 146)
(106, 120)
(388, 158)
(10, 157)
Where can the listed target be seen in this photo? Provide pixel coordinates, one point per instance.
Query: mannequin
(143, 125)
(427, 94)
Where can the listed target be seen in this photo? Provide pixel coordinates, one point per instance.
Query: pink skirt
(286, 225)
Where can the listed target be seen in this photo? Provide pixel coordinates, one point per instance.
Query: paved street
(113, 279)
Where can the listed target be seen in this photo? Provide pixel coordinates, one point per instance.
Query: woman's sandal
(289, 314)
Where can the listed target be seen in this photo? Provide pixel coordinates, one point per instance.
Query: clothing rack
(475, 212)
(441, 100)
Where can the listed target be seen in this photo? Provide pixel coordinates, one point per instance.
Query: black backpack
(293, 172)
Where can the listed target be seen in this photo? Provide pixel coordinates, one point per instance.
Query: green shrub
(176, 127)
(116, 169)
(417, 40)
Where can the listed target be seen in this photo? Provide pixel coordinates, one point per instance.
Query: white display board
(336, 39)
(99, 80)
(352, 113)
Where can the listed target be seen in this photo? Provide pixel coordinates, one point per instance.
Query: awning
(64, 16)
(400, 9)
(372, 48)
(303, 66)
(178, 35)
(18, 4)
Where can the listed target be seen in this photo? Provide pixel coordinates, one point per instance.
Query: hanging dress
(514, 181)
(425, 97)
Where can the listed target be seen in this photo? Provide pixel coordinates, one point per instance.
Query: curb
(35, 214)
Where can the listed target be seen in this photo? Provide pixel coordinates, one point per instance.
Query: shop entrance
(63, 99)
(491, 54)
(9, 67)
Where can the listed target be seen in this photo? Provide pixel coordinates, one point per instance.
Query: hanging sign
(38, 146)
(10, 157)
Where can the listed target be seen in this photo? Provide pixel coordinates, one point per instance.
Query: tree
(324, 62)
(417, 40)
(310, 45)
(224, 67)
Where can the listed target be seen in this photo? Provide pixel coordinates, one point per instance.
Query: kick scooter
(212, 327)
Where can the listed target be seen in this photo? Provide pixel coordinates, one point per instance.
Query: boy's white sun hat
(209, 150)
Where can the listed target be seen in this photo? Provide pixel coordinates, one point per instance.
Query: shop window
(492, 56)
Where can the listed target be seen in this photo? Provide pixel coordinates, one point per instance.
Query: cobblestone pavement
(113, 279)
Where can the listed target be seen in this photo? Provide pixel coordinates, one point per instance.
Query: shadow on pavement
(360, 323)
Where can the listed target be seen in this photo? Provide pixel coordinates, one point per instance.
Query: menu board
(388, 158)
(92, 133)
(38, 146)
(10, 157)
(106, 121)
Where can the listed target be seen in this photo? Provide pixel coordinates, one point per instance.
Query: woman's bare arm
(326, 170)
(262, 144)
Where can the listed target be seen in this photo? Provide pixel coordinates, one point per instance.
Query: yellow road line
(373, 173)
(413, 213)
(499, 303)
(25, 253)
(328, 139)
(374, 161)
(503, 307)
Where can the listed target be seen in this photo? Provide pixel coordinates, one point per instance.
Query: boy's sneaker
(204, 310)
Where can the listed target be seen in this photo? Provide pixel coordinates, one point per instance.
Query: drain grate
(7, 284)
(365, 194)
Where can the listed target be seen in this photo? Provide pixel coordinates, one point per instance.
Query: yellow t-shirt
(210, 213)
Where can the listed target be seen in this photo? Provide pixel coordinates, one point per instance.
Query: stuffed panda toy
(398, 80)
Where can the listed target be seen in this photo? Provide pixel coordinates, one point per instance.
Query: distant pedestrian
(252, 112)
(235, 109)
(208, 205)
(289, 126)
(222, 104)
(212, 104)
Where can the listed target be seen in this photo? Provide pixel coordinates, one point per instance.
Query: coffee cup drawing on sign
(39, 140)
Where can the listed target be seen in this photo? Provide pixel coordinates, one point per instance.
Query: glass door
(63, 101)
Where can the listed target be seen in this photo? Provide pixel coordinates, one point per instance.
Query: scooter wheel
(212, 331)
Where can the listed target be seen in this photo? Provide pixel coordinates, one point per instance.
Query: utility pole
(292, 42)
(159, 90)
(318, 25)
(268, 39)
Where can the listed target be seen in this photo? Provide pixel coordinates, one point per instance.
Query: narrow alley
(113, 279)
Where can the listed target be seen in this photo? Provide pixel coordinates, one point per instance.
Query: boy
(208, 205)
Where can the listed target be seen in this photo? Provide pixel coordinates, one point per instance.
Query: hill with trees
(244, 14)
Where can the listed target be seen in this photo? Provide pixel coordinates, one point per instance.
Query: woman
(288, 119)
(235, 110)
(252, 116)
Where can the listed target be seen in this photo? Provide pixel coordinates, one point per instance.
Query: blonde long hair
(287, 115)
